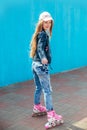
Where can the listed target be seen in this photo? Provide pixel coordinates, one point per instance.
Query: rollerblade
(39, 110)
(53, 120)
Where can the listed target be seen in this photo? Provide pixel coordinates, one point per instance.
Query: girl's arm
(42, 39)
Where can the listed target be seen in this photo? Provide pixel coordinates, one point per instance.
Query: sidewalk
(69, 99)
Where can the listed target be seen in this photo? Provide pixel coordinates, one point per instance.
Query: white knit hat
(45, 16)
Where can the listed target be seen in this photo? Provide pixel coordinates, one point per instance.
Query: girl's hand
(44, 61)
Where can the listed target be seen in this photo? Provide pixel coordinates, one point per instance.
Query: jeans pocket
(45, 68)
(40, 68)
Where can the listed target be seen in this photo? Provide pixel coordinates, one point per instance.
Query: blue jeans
(42, 83)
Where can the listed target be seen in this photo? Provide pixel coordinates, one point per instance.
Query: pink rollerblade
(53, 120)
(39, 110)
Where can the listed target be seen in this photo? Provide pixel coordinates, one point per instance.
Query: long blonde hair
(33, 43)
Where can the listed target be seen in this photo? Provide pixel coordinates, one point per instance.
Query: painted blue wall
(17, 23)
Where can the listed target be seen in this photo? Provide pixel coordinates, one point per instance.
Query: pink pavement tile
(34, 122)
(27, 103)
(83, 78)
(3, 105)
(77, 71)
(2, 92)
(75, 100)
(59, 80)
(79, 115)
(26, 83)
(4, 124)
(59, 77)
(67, 89)
(25, 91)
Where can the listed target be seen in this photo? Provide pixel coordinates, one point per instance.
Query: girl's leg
(38, 109)
(44, 80)
(38, 90)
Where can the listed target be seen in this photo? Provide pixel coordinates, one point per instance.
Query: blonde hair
(33, 43)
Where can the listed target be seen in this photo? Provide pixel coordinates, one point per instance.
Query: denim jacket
(43, 48)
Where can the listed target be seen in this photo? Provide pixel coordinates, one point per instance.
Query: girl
(41, 55)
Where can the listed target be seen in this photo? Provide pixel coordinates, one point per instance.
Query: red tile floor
(69, 99)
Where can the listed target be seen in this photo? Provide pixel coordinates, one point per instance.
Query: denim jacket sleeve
(42, 40)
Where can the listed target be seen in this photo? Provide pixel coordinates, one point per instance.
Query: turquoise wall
(17, 22)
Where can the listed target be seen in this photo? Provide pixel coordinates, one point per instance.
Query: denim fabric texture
(43, 47)
(42, 83)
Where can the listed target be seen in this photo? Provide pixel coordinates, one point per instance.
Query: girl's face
(47, 25)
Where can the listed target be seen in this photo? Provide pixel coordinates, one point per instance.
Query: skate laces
(40, 107)
(52, 114)
(58, 116)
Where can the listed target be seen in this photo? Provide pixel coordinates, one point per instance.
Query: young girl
(41, 55)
